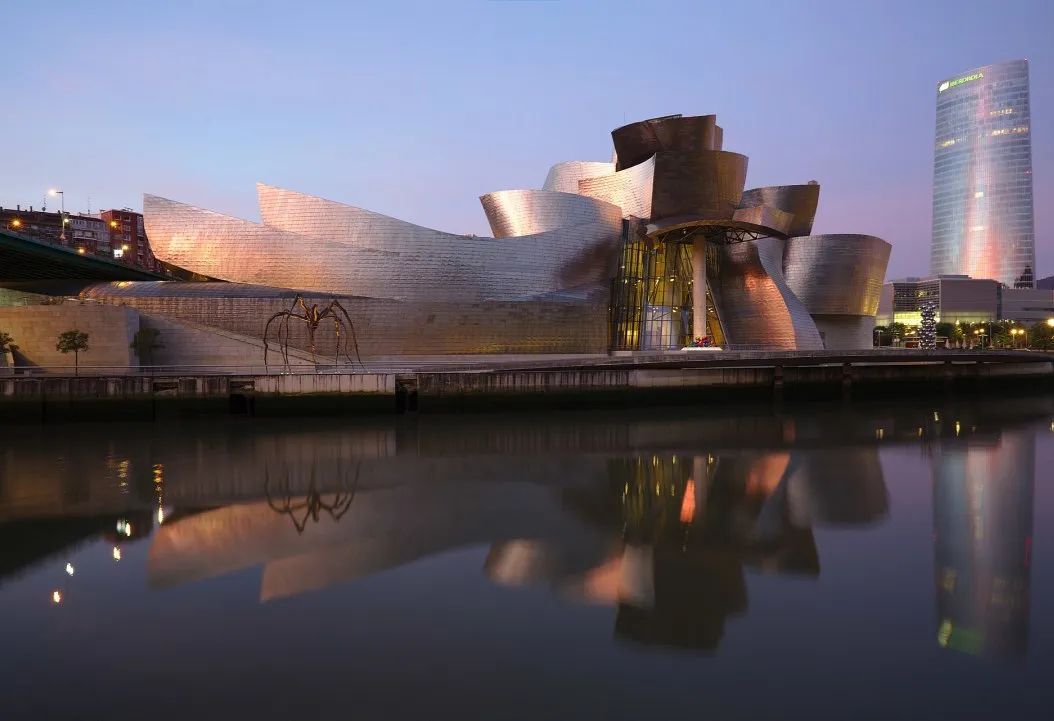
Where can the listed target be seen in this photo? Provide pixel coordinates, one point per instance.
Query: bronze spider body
(313, 316)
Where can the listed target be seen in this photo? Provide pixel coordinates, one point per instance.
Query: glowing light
(688, 504)
(53, 192)
(56, 596)
(69, 568)
(944, 633)
(113, 223)
(1050, 322)
(117, 553)
(947, 84)
(979, 194)
(16, 223)
(957, 428)
(80, 250)
(880, 433)
(160, 515)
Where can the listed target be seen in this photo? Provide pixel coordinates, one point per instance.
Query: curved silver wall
(755, 306)
(629, 189)
(798, 200)
(514, 213)
(838, 274)
(564, 177)
(636, 142)
(314, 244)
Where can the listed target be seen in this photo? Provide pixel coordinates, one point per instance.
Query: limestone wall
(394, 328)
(36, 328)
(188, 345)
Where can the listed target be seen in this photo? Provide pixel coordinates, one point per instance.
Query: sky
(415, 109)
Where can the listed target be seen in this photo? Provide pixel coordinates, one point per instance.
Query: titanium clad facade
(756, 307)
(514, 213)
(313, 244)
(837, 274)
(629, 189)
(798, 200)
(601, 257)
(982, 176)
(564, 177)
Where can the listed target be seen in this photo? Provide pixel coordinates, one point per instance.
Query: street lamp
(62, 196)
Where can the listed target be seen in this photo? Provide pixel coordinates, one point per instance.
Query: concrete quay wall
(29, 399)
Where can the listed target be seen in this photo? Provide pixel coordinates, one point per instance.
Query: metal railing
(468, 364)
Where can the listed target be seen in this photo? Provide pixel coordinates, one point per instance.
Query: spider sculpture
(313, 317)
(313, 502)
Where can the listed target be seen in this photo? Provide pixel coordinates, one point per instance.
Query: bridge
(23, 258)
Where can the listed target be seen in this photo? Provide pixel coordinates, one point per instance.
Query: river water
(824, 562)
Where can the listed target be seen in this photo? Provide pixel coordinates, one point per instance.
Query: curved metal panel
(798, 200)
(636, 142)
(313, 244)
(837, 274)
(630, 189)
(564, 177)
(756, 307)
(513, 213)
(705, 183)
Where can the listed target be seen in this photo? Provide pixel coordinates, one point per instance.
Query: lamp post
(62, 216)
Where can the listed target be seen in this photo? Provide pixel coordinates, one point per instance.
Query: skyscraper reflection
(982, 501)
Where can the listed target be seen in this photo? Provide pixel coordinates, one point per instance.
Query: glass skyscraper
(982, 176)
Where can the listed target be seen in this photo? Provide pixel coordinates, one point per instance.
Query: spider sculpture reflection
(313, 502)
(313, 317)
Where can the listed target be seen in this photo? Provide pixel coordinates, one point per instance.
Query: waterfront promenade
(497, 383)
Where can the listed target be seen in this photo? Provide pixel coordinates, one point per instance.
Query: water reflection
(681, 531)
(662, 519)
(982, 501)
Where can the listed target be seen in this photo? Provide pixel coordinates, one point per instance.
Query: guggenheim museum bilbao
(660, 248)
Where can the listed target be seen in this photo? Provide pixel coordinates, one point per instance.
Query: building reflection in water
(684, 529)
(982, 501)
(638, 515)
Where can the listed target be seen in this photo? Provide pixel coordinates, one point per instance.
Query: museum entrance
(651, 295)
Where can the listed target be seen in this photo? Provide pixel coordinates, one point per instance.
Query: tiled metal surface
(545, 277)
(982, 176)
(837, 274)
(753, 301)
(564, 177)
(314, 244)
(514, 213)
(798, 200)
(636, 142)
(706, 183)
(630, 189)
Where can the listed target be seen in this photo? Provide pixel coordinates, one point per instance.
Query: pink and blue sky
(414, 109)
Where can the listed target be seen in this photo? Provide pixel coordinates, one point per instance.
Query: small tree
(145, 343)
(73, 341)
(1041, 336)
(897, 331)
(946, 330)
